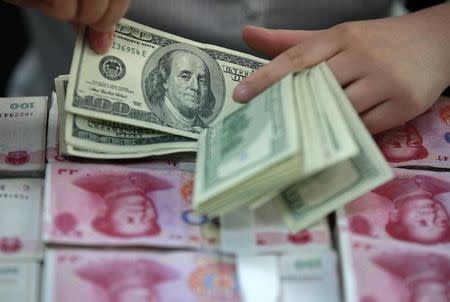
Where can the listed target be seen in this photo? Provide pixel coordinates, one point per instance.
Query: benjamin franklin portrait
(184, 87)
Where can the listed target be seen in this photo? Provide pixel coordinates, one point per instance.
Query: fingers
(116, 10)
(366, 92)
(99, 15)
(273, 42)
(345, 68)
(100, 41)
(317, 48)
(102, 31)
(385, 115)
(65, 10)
(91, 11)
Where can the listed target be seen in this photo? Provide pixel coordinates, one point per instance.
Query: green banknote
(155, 80)
(106, 139)
(301, 140)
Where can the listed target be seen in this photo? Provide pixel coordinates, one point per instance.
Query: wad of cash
(299, 140)
(151, 94)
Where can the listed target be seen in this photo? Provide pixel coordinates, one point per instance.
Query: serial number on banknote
(128, 49)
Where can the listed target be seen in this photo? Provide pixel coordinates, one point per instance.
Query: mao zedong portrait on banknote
(128, 280)
(129, 211)
(425, 275)
(402, 143)
(178, 87)
(411, 208)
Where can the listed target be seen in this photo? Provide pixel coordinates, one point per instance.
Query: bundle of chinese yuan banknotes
(298, 144)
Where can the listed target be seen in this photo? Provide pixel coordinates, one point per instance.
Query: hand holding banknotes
(99, 15)
(392, 69)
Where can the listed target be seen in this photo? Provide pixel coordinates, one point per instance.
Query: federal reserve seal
(112, 68)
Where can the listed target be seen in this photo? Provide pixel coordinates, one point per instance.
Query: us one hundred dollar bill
(300, 139)
(95, 138)
(155, 80)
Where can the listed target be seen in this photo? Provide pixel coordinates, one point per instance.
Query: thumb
(100, 41)
(272, 42)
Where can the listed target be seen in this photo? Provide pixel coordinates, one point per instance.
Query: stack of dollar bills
(151, 94)
(88, 137)
(300, 140)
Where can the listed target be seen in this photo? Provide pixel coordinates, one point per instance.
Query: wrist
(433, 25)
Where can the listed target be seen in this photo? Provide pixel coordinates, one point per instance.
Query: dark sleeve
(446, 92)
(415, 5)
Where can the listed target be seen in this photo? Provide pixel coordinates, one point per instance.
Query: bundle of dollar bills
(88, 137)
(300, 140)
(151, 94)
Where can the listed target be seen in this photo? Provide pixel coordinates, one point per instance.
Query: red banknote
(20, 218)
(375, 271)
(23, 123)
(127, 276)
(414, 209)
(424, 141)
(88, 204)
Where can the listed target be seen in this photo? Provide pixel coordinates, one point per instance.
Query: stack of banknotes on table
(252, 219)
(21, 248)
(23, 123)
(394, 242)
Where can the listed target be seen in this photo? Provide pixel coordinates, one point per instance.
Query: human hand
(100, 16)
(392, 69)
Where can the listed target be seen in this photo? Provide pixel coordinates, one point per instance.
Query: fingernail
(254, 27)
(241, 93)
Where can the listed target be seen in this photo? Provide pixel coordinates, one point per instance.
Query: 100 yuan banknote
(156, 80)
(20, 219)
(379, 271)
(304, 276)
(312, 277)
(52, 153)
(19, 281)
(89, 204)
(413, 209)
(262, 230)
(23, 123)
(423, 141)
(114, 276)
